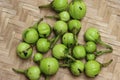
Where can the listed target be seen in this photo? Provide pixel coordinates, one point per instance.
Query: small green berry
(49, 66)
(92, 34)
(79, 52)
(37, 57)
(77, 67)
(74, 26)
(68, 39)
(64, 16)
(43, 45)
(44, 29)
(77, 9)
(59, 5)
(59, 51)
(60, 27)
(90, 47)
(90, 57)
(24, 50)
(92, 68)
(30, 35)
(33, 73)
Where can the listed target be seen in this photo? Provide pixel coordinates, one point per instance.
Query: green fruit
(59, 5)
(68, 39)
(92, 34)
(37, 57)
(90, 57)
(59, 51)
(79, 52)
(92, 68)
(60, 27)
(32, 73)
(77, 67)
(77, 9)
(49, 66)
(24, 50)
(30, 35)
(74, 26)
(44, 29)
(90, 47)
(43, 45)
(64, 16)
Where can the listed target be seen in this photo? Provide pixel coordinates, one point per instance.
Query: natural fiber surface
(17, 15)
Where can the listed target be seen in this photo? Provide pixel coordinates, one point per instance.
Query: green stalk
(51, 40)
(76, 35)
(55, 41)
(47, 78)
(64, 65)
(107, 63)
(46, 6)
(106, 45)
(70, 57)
(39, 21)
(19, 71)
(35, 26)
(109, 49)
(56, 17)
(25, 51)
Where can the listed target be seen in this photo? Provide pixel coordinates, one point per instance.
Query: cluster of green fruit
(69, 52)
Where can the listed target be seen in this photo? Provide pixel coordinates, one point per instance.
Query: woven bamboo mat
(17, 15)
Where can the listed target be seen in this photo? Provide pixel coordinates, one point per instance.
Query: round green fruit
(30, 35)
(24, 50)
(79, 52)
(77, 67)
(44, 29)
(92, 34)
(37, 57)
(68, 39)
(92, 68)
(49, 66)
(43, 45)
(90, 47)
(60, 27)
(77, 9)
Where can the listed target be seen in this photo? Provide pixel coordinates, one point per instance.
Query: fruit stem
(19, 71)
(106, 64)
(75, 34)
(55, 41)
(70, 57)
(36, 26)
(25, 51)
(51, 40)
(39, 21)
(56, 17)
(106, 45)
(109, 49)
(64, 65)
(45, 6)
(47, 78)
